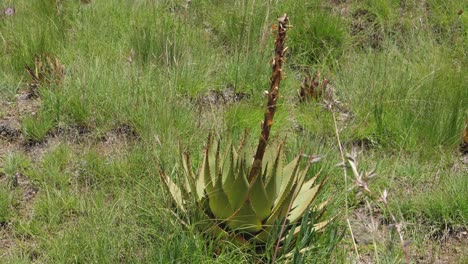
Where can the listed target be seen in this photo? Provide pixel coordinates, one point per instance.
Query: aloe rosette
(246, 211)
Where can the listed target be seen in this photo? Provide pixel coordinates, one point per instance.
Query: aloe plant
(247, 211)
(243, 198)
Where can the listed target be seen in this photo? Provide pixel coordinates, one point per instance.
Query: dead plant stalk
(273, 95)
(346, 184)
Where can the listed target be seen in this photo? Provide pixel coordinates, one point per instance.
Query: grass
(397, 69)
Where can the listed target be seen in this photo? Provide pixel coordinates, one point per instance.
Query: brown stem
(272, 95)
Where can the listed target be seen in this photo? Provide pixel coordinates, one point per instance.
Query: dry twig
(346, 184)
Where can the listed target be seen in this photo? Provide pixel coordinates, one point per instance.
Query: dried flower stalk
(273, 95)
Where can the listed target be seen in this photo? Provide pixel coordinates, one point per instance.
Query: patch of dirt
(72, 134)
(28, 191)
(7, 241)
(210, 105)
(341, 7)
(224, 97)
(5, 148)
(26, 103)
(452, 247)
(117, 139)
(124, 130)
(365, 229)
(11, 114)
(460, 164)
(10, 128)
(444, 247)
(36, 150)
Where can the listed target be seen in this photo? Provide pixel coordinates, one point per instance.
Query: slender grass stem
(337, 134)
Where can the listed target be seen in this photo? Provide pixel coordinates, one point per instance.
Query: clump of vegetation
(47, 70)
(35, 128)
(319, 36)
(312, 88)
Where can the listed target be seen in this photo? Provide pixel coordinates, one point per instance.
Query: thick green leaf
(200, 182)
(245, 219)
(277, 215)
(227, 165)
(308, 184)
(300, 205)
(212, 155)
(219, 203)
(303, 199)
(280, 211)
(306, 198)
(259, 199)
(290, 177)
(235, 185)
(274, 176)
(210, 226)
(245, 156)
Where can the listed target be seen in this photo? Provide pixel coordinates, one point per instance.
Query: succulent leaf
(259, 199)
(301, 203)
(227, 165)
(304, 198)
(236, 185)
(288, 181)
(274, 176)
(200, 181)
(212, 158)
(245, 219)
(219, 203)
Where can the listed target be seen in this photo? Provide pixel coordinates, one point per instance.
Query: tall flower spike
(273, 95)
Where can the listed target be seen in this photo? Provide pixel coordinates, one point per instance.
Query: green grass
(443, 206)
(100, 199)
(5, 206)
